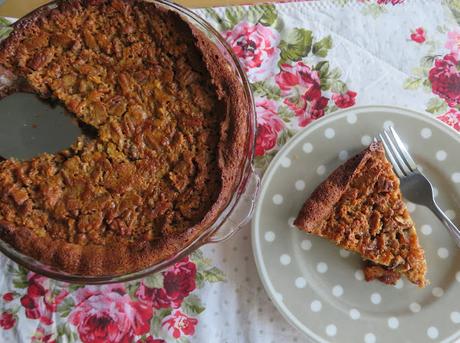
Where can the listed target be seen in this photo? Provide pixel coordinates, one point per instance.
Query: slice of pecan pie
(360, 208)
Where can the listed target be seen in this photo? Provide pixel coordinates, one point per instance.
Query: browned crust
(318, 207)
(95, 260)
(320, 204)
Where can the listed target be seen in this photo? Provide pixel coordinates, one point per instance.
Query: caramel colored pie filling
(168, 124)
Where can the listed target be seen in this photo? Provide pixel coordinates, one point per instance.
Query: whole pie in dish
(166, 124)
(360, 208)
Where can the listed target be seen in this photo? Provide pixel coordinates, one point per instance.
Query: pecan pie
(168, 121)
(360, 208)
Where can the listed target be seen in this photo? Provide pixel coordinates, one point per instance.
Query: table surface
(340, 54)
(17, 8)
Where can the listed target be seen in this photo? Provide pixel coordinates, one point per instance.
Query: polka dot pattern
(337, 291)
(278, 199)
(455, 317)
(426, 133)
(321, 170)
(415, 307)
(331, 330)
(376, 298)
(437, 292)
(343, 155)
(329, 133)
(393, 323)
(411, 207)
(456, 177)
(344, 253)
(443, 253)
(269, 236)
(300, 185)
(399, 284)
(355, 314)
(306, 244)
(285, 259)
(388, 124)
(352, 118)
(316, 263)
(441, 155)
(286, 162)
(307, 148)
(316, 306)
(366, 140)
(321, 267)
(432, 332)
(426, 229)
(370, 338)
(300, 282)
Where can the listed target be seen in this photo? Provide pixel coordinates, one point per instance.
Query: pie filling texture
(360, 208)
(167, 142)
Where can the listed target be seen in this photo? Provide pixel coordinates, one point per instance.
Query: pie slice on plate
(360, 208)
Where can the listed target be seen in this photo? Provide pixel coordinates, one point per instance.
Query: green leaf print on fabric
(322, 47)
(454, 6)
(296, 45)
(213, 275)
(412, 83)
(154, 281)
(192, 305)
(234, 15)
(66, 307)
(5, 28)
(436, 106)
(270, 92)
(264, 14)
(374, 10)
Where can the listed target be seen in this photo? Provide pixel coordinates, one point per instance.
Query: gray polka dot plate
(319, 288)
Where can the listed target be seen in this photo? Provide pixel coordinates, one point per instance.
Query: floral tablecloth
(305, 60)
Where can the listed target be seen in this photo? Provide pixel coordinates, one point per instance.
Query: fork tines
(397, 153)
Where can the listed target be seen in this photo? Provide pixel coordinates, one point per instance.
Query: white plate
(319, 288)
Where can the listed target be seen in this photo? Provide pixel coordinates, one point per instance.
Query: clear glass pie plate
(237, 212)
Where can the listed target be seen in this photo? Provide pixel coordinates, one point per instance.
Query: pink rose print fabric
(108, 314)
(300, 85)
(40, 302)
(453, 43)
(179, 324)
(345, 100)
(157, 309)
(451, 118)
(179, 282)
(418, 35)
(269, 125)
(445, 79)
(256, 46)
(7, 320)
(440, 73)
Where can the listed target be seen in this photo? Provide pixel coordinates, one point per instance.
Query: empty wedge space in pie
(359, 207)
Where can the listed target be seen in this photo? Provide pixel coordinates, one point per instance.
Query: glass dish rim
(246, 172)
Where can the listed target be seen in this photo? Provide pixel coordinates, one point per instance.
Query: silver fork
(414, 185)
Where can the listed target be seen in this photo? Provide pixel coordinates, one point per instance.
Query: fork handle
(453, 230)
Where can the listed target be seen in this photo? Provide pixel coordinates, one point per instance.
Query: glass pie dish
(235, 214)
